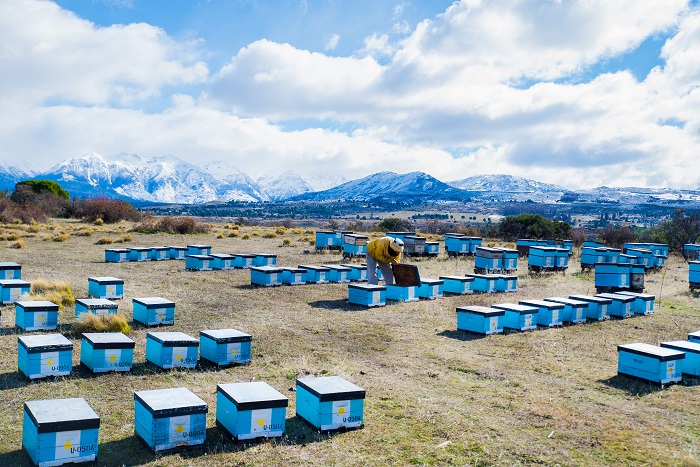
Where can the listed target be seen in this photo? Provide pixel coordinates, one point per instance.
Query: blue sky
(579, 93)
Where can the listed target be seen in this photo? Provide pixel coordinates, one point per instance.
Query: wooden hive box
(60, 431)
(293, 276)
(694, 274)
(44, 355)
(358, 272)
(621, 306)
(367, 294)
(243, 260)
(160, 253)
(338, 238)
(612, 255)
(337, 273)
(474, 243)
(518, 317)
(96, 306)
(643, 302)
(170, 418)
(691, 251)
(592, 243)
(430, 288)
(542, 258)
(268, 276)
(225, 347)
(265, 259)
(480, 319)
(590, 256)
(402, 293)
(315, 274)
(106, 351)
(484, 283)
(660, 261)
(510, 259)
(523, 246)
(198, 262)
(597, 307)
(401, 235)
(106, 287)
(414, 245)
(172, 350)
(10, 270)
(355, 239)
(650, 363)
(177, 252)
(221, 261)
(574, 311)
(561, 259)
(432, 248)
(36, 315)
(330, 403)
(140, 254)
(458, 245)
(354, 245)
(691, 362)
(11, 290)
(250, 410)
(612, 276)
(459, 285)
(506, 283)
(694, 336)
(324, 239)
(549, 314)
(198, 249)
(153, 311)
(117, 255)
(488, 260)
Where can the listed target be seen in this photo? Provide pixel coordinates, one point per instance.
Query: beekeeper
(383, 252)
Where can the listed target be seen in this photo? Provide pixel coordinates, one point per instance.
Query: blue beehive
(430, 288)
(641, 256)
(480, 319)
(693, 274)
(9, 270)
(691, 362)
(400, 235)
(198, 262)
(691, 251)
(460, 285)
(597, 307)
(650, 363)
(549, 314)
(510, 259)
(354, 245)
(243, 260)
(621, 306)
(153, 311)
(139, 254)
(268, 276)
(457, 245)
(694, 336)
(367, 294)
(36, 315)
(12, 290)
(293, 276)
(170, 418)
(574, 311)
(643, 302)
(250, 410)
(567, 244)
(402, 293)
(522, 245)
(519, 317)
(561, 259)
(172, 350)
(542, 258)
(106, 287)
(198, 249)
(315, 274)
(177, 252)
(612, 276)
(337, 273)
(330, 402)
(106, 351)
(325, 239)
(612, 255)
(117, 255)
(592, 244)
(96, 306)
(485, 283)
(225, 346)
(265, 259)
(432, 248)
(221, 261)
(506, 283)
(160, 253)
(44, 355)
(358, 272)
(60, 431)
(488, 260)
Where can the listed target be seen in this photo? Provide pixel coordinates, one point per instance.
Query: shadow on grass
(340, 305)
(461, 335)
(13, 380)
(640, 387)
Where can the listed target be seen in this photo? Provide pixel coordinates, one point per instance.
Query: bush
(89, 322)
(107, 209)
(234, 233)
(58, 292)
(269, 235)
(220, 235)
(173, 225)
(280, 230)
(245, 237)
(41, 186)
(104, 241)
(286, 242)
(98, 221)
(60, 237)
(19, 244)
(394, 224)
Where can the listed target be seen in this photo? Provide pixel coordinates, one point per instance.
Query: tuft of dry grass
(280, 230)
(234, 234)
(12, 236)
(220, 236)
(286, 242)
(104, 241)
(98, 222)
(245, 237)
(124, 239)
(58, 292)
(89, 322)
(18, 245)
(84, 232)
(269, 235)
(62, 237)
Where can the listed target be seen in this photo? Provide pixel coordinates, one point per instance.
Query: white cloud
(332, 42)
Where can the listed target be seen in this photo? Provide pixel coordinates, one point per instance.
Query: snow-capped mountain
(9, 176)
(504, 183)
(290, 184)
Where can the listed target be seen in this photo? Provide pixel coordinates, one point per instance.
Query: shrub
(234, 233)
(269, 235)
(58, 292)
(394, 224)
(286, 242)
(123, 239)
(84, 232)
(60, 237)
(104, 241)
(245, 237)
(89, 322)
(107, 209)
(12, 236)
(173, 224)
(280, 230)
(220, 235)
(98, 221)
(255, 233)
(19, 244)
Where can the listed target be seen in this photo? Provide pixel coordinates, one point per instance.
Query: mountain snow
(504, 183)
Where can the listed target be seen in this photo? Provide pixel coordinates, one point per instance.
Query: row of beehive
(552, 312)
(495, 260)
(154, 253)
(523, 245)
(40, 356)
(662, 364)
(60, 431)
(353, 244)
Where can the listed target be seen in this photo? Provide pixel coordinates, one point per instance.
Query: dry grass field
(435, 396)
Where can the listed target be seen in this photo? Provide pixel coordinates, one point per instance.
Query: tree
(40, 186)
(394, 224)
(532, 226)
(42, 195)
(681, 229)
(615, 236)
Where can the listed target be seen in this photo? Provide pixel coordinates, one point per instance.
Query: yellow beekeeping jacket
(379, 250)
